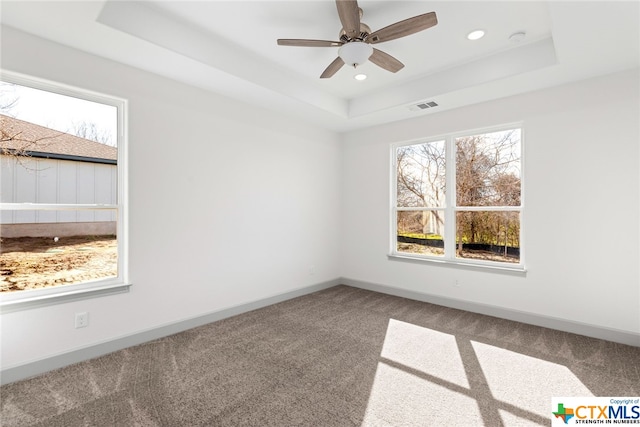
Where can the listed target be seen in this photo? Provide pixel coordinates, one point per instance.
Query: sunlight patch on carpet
(420, 378)
(524, 381)
(401, 398)
(432, 352)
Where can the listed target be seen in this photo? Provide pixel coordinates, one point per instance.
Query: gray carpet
(339, 357)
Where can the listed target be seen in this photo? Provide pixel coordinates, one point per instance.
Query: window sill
(28, 299)
(517, 270)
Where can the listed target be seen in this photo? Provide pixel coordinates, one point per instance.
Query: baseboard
(594, 331)
(30, 369)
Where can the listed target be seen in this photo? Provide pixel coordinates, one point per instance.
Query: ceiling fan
(356, 39)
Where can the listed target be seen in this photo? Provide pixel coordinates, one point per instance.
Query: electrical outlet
(456, 283)
(312, 270)
(82, 320)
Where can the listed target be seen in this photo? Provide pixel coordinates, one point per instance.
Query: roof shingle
(28, 138)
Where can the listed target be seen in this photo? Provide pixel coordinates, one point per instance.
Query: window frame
(450, 207)
(32, 298)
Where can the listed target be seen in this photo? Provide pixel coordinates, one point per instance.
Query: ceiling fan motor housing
(364, 32)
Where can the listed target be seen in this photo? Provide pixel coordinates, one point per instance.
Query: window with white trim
(458, 198)
(63, 191)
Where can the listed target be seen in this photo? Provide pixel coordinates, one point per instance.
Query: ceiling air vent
(423, 105)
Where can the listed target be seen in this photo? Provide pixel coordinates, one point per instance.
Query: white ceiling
(230, 47)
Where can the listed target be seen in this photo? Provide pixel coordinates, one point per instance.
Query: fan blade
(403, 28)
(349, 14)
(308, 43)
(386, 61)
(332, 68)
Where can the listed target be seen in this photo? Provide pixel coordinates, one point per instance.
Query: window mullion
(419, 208)
(55, 207)
(489, 208)
(450, 198)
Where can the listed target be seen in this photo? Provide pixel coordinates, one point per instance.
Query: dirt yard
(483, 255)
(39, 262)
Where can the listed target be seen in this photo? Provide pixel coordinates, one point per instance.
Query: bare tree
(13, 142)
(91, 131)
(18, 146)
(487, 174)
(421, 183)
(8, 98)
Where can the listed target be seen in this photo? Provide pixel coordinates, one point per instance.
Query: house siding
(52, 181)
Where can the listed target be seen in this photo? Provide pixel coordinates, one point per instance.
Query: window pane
(488, 169)
(38, 255)
(57, 150)
(421, 232)
(41, 121)
(421, 175)
(493, 236)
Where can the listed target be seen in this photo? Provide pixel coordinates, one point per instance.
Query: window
(62, 206)
(458, 199)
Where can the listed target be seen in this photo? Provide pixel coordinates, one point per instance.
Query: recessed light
(475, 34)
(360, 77)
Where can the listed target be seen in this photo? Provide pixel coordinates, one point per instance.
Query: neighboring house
(42, 165)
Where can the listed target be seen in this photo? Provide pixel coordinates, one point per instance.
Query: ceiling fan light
(355, 53)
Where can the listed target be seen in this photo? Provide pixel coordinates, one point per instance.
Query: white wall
(581, 205)
(228, 204)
